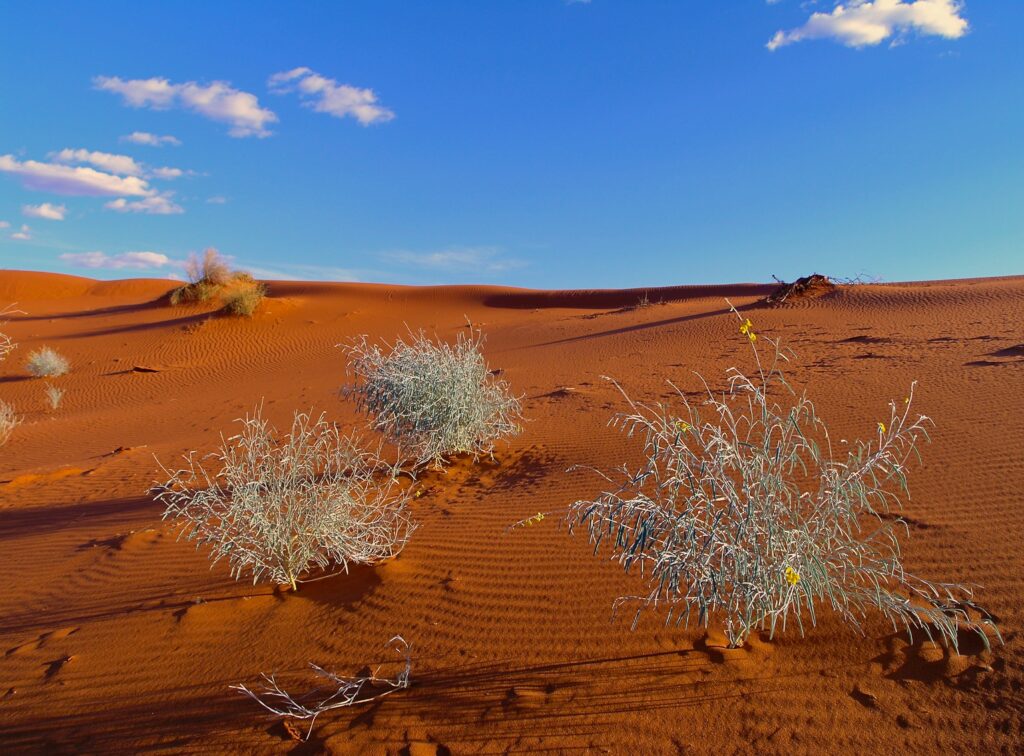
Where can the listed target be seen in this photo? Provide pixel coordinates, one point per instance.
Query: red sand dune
(115, 637)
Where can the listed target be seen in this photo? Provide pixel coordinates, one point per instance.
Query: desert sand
(116, 637)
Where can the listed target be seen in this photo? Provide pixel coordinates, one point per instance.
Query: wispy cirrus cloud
(863, 23)
(121, 261)
(452, 259)
(73, 180)
(155, 204)
(328, 96)
(45, 211)
(218, 101)
(151, 140)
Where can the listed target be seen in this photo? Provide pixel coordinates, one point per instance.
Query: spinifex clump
(277, 508)
(715, 517)
(433, 399)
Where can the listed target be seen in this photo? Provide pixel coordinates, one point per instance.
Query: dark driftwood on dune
(809, 286)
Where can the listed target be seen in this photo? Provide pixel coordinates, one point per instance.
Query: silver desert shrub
(46, 362)
(278, 507)
(716, 520)
(433, 399)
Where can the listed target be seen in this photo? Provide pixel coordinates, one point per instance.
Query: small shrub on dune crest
(47, 363)
(243, 296)
(279, 507)
(210, 278)
(434, 399)
(715, 516)
(211, 269)
(8, 422)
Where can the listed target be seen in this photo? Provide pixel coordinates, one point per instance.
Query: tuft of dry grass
(7, 344)
(54, 395)
(243, 296)
(8, 421)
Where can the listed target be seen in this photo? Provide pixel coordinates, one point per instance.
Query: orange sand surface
(116, 637)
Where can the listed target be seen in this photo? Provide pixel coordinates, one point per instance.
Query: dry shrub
(46, 362)
(8, 422)
(716, 519)
(279, 507)
(211, 278)
(211, 268)
(434, 399)
(7, 344)
(243, 295)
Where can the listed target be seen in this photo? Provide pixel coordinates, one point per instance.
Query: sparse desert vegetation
(278, 507)
(8, 422)
(47, 362)
(54, 395)
(716, 519)
(210, 277)
(737, 523)
(431, 398)
(7, 344)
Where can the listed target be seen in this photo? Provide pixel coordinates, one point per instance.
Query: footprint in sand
(41, 641)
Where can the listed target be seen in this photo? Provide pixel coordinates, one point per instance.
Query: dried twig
(342, 692)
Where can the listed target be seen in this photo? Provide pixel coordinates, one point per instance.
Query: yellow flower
(536, 518)
(881, 427)
(792, 576)
(683, 426)
(748, 329)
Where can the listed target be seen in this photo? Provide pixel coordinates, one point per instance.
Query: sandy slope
(115, 637)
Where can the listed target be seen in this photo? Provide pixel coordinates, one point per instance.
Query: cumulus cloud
(73, 180)
(122, 165)
(167, 173)
(45, 211)
(156, 204)
(4, 224)
(465, 259)
(133, 260)
(861, 23)
(218, 101)
(22, 235)
(152, 140)
(328, 96)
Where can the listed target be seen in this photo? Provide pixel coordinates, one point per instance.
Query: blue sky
(539, 143)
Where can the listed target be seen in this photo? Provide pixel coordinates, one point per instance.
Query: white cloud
(217, 200)
(861, 23)
(167, 173)
(328, 96)
(121, 165)
(78, 180)
(152, 140)
(133, 260)
(4, 224)
(462, 259)
(45, 210)
(156, 204)
(23, 235)
(218, 101)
